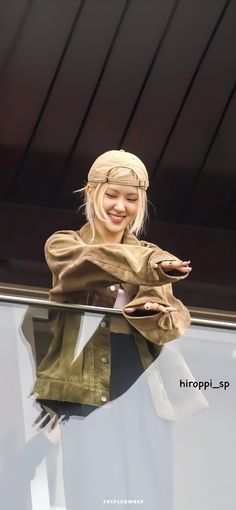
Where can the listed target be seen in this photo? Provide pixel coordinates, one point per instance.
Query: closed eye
(114, 196)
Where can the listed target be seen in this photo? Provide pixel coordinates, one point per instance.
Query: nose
(120, 206)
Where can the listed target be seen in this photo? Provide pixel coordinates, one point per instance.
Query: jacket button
(103, 399)
(112, 288)
(103, 324)
(104, 359)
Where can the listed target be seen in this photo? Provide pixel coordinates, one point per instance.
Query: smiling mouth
(115, 218)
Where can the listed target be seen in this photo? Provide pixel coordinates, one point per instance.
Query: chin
(115, 228)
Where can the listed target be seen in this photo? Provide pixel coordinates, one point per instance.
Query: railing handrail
(44, 303)
(196, 321)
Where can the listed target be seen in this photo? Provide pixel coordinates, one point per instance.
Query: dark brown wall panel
(27, 77)
(69, 99)
(126, 69)
(170, 77)
(215, 188)
(13, 16)
(179, 167)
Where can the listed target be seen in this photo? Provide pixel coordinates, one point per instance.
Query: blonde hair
(95, 208)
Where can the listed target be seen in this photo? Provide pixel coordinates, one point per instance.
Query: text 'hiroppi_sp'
(203, 385)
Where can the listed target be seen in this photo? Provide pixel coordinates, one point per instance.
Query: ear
(89, 192)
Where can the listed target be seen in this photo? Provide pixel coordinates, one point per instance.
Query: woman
(92, 361)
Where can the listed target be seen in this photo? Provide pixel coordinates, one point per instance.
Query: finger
(152, 306)
(170, 264)
(167, 309)
(39, 418)
(184, 269)
(53, 422)
(179, 263)
(44, 421)
(129, 310)
(185, 263)
(50, 424)
(43, 415)
(159, 307)
(167, 263)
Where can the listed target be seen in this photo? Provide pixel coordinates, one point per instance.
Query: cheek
(133, 209)
(107, 203)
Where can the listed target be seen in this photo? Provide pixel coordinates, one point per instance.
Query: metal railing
(43, 303)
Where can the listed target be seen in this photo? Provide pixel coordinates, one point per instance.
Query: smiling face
(116, 200)
(118, 205)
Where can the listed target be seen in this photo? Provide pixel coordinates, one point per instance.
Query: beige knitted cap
(104, 169)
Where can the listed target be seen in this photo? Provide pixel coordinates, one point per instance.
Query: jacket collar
(86, 234)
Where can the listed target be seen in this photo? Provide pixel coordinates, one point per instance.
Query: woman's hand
(151, 306)
(49, 422)
(46, 417)
(182, 266)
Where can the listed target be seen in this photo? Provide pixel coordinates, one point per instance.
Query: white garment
(91, 321)
(163, 375)
(88, 324)
(121, 299)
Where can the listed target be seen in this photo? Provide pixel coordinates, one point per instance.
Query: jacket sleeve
(78, 266)
(159, 328)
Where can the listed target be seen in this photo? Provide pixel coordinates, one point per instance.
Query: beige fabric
(86, 272)
(103, 169)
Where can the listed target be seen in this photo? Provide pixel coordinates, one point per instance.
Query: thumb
(129, 310)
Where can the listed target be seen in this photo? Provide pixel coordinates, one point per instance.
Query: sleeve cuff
(163, 275)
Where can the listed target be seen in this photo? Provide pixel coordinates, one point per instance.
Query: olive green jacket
(89, 273)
